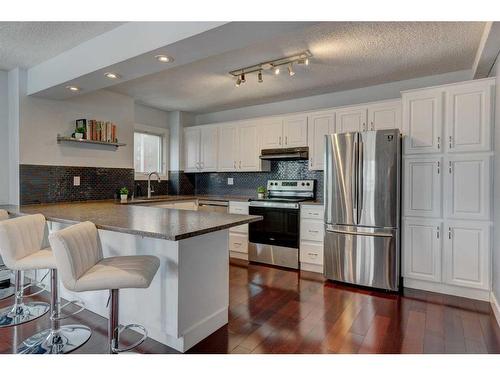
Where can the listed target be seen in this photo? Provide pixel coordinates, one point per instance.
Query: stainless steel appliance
(275, 239)
(294, 153)
(362, 208)
(213, 206)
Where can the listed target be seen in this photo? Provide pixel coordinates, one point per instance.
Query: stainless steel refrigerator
(362, 208)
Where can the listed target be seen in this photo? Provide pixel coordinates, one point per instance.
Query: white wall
(496, 190)
(4, 138)
(42, 119)
(362, 95)
(150, 116)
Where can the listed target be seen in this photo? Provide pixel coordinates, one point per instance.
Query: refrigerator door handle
(368, 234)
(360, 183)
(355, 180)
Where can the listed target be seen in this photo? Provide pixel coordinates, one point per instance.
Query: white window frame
(164, 134)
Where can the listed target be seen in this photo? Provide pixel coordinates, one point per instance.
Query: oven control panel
(290, 185)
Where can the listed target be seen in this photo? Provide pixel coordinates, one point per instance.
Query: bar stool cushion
(118, 273)
(21, 243)
(82, 267)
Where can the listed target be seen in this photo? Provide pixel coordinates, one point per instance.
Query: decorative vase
(260, 195)
(78, 135)
(123, 197)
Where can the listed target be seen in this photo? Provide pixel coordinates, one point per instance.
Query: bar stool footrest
(120, 329)
(77, 302)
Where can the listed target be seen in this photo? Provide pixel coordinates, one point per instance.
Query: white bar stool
(79, 259)
(21, 247)
(8, 291)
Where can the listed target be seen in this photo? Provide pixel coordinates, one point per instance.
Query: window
(150, 151)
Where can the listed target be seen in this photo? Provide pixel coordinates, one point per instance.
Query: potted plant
(79, 132)
(123, 194)
(261, 192)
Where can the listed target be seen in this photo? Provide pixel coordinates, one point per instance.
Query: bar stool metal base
(22, 313)
(7, 292)
(65, 340)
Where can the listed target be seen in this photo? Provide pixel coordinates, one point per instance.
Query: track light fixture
(273, 65)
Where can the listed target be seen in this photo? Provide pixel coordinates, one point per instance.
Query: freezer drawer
(362, 256)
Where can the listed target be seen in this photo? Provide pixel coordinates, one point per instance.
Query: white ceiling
(26, 44)
(347, 55)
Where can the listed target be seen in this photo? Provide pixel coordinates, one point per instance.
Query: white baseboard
(495, 307)
(482, 295)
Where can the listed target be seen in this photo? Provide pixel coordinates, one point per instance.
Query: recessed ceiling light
(112, 75)
(164, 58)
(73, 88)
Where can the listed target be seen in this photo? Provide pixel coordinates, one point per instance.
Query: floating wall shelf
(88, 141)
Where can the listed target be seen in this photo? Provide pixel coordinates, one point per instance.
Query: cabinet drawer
(238, 243)
(312, 230)
(239, 208)
(311, 253)
(312, 212)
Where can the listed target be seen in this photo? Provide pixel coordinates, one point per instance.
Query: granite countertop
(145, 221)
(174, 198)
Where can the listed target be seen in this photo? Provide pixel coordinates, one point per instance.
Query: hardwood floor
(280, 311)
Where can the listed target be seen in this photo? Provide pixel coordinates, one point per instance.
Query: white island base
(187, 300)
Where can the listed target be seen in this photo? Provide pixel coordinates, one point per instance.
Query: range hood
(295, 153)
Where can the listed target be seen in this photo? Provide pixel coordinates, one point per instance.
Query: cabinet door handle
(364, 126)
(449, 233)
(279, 140)
(450, 139)
(449, 167)
(238, 243)
(372, 126)
(286, 139)
(313, 231)
(439, 165)
(315, 214)
(240, 164)
(311, 162)
(439, 142)
(437, 232)
(312, 254)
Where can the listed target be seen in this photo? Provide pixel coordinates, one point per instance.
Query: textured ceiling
(25, 44)
(347, 55)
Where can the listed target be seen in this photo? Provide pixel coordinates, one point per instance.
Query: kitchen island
(189, 297)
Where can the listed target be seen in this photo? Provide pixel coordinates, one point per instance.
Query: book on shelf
(103, 131)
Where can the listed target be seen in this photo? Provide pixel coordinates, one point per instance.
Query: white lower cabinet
(422, 243)
(467, 254)
(311, 238)
(238, 236)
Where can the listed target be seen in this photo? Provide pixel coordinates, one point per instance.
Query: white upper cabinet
(422, 186)
(423, 121)
(468, 187)
(271, 133)
(422, 244)
(467, 254)
(200, 149)
(351, 119)
(295, 131)
(209, 149)
(319, 125)
(228, 148)
(192, 149)
(249, 150)
(385, 116)
(468, 117)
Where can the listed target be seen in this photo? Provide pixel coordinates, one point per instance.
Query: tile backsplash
(246, 183)
(50, 184)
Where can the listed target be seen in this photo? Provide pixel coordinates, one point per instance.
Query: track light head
(291, 73)
(259, 76)
(238, 82)
(276, 70)
(242, 77)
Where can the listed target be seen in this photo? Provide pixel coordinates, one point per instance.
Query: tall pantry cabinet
(447, 188)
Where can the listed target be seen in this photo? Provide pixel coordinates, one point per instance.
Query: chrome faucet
(149, 182)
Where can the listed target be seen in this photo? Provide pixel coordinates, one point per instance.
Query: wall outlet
(230, 181)
(76, 180)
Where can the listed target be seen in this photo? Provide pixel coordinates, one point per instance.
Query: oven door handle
(368, 234)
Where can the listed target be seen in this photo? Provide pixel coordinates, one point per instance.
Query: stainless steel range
(275, 239)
